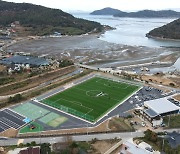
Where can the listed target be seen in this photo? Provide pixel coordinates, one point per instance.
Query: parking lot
(145, 94)
(177, 103)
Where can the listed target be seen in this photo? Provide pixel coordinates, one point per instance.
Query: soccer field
(92, 99)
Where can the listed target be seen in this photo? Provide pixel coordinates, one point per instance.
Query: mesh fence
(70, 110)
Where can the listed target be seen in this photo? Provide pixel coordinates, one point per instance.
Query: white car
(143, 124)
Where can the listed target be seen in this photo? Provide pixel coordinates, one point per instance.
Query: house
(25, 61)
(30, 150)
(131, 148)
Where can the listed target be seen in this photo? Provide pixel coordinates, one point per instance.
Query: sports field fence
(70, 110)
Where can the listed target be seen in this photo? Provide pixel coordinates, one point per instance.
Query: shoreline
(88, 49)
(162, 39)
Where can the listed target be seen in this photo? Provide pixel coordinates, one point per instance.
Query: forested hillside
(150, 14)
(40, 20)
(106, 11)
(169, 31)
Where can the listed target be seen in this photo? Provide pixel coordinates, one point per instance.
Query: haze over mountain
(39, 20)
(169, 31)
(138, 14)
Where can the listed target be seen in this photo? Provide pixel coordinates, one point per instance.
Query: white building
(131, 148)
(155, 109)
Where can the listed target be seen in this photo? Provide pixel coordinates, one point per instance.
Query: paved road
(87, 137)
(51, 140)
(43, 84)
(118, 70)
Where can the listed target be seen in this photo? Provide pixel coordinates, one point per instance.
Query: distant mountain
(169, 31)
(39, 20)
(106, 11)
(150, 14)
(138, 14)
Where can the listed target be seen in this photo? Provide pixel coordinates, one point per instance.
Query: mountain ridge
(106, 11)
(137, 14)
(40, 20)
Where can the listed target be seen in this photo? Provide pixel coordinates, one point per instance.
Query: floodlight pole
(39, 127)
(87, 128)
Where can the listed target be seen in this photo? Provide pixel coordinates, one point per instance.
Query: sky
(91, 5)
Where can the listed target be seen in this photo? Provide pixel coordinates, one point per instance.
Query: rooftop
(151, 113)
(132, 148)
(161, 106)
(36, 61)
(30, 150)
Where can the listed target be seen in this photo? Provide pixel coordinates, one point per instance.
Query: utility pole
(169, 120)
(163, 145)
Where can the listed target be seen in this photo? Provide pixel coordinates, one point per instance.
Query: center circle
(95, 93)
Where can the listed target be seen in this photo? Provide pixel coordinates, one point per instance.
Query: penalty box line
(37, 101)
(76, 103)
(113, 82)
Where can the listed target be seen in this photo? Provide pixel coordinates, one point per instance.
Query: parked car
(143, 124)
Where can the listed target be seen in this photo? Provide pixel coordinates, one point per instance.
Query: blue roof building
(31, 60)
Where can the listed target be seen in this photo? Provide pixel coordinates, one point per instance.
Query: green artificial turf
(93, 98)
(27, 129)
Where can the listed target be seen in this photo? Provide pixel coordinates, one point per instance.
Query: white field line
(118, 105)
(89, 111)
(47, 96)
(64, 112)
(85, 127)
(116, 82)
(86, 80)
(121, 80)
(65, 86)
(76, 103)
(80, 89)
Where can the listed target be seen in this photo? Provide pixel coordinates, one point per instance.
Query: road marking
(20, 141)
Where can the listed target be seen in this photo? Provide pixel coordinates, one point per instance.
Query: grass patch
(93, 98)
(6, 80)
(35, 93)
(27, 129)
(174, 121)
(120, 124)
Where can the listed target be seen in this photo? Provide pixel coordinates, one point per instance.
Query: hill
(138, 14)
(150, 14)
(169, 31)
(106, 11)
(39, 20)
